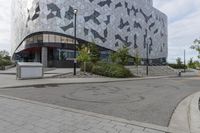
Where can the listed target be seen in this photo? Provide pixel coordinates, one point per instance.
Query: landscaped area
(4, 60)
(89, 59)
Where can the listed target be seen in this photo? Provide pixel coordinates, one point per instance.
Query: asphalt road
(151, 101)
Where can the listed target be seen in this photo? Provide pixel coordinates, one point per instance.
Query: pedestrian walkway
(48, 72)
(23, 116)
(8, 79)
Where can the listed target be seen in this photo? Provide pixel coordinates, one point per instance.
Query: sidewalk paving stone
(17, 116)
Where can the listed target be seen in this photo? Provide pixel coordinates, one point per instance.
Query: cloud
(184, 20)
(182, 34)
(177, 9)
(5, 25)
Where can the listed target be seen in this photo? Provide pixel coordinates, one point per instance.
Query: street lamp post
(184, 61)
(75, 62)
(147, 65)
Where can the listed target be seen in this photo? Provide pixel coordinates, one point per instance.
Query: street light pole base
(75, 67)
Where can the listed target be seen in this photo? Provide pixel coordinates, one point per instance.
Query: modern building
(43, 30)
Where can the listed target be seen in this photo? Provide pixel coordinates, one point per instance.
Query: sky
(184, 25)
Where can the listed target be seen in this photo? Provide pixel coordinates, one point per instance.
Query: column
(44, 56)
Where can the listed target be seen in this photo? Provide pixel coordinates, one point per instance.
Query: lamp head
(75, 11)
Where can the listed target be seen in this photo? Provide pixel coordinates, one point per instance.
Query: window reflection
(45, 38)
(39, 38)
(58, 39)
(52, 38)
(65, 54)
(49, 38)
(35, 38)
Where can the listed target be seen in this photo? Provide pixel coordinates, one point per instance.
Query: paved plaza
(21, 116)
(149, 101)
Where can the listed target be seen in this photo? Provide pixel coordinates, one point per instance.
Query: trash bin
(27, 70)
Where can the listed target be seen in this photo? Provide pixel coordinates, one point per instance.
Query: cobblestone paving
(23, 117)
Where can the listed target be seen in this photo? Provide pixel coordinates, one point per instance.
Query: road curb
(194, 114)
(186, 117)
(179, 120)
(135, 123)
(108, 80)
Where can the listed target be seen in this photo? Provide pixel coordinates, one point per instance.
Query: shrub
(4, 62)
(4, 59)
(113, 57)
(83, 54)
(83, 57)
(89, 66)
(111, 70)
(177, 66)
(94, 53)
(123, 55)
(193, 64)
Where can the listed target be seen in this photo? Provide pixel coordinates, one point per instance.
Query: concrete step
(153, 70)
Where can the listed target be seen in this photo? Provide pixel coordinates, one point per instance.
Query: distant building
(43, 30)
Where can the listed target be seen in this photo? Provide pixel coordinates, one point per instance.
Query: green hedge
(107, 70)
(4, 62)
(175, 66)
(111, 70)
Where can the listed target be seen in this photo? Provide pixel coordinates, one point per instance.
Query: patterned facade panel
(110, 23)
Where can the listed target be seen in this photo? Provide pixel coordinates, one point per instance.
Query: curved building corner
(42, 31)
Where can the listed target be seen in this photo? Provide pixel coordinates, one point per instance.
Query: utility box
(29, 70)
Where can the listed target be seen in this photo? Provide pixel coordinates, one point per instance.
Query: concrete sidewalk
(186, 117)
(48, 72)
(9, 81)
(8, 78)
(12, 71)
(24, 116)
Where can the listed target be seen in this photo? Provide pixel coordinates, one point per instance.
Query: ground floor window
(65, 54)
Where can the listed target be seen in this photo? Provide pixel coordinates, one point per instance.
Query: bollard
(179, 74)
(199, 104)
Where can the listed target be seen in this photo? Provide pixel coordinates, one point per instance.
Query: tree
(137, 60)
(197, 64)
(191, 63)
(178, 61)
(123, 55)
(4, 59)
(196, 46)
(94, 53)
(84, 56)
(113, 57)
(4, 54)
